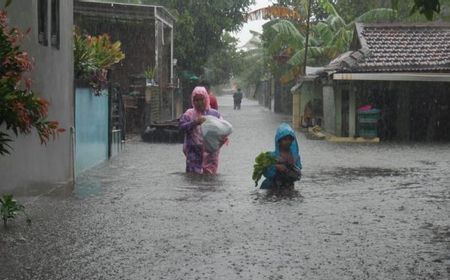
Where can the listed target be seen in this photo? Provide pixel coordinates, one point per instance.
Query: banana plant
(328, 38)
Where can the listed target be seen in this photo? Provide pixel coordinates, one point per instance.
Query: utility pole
(307, 36)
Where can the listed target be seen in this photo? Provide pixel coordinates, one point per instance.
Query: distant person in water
(212, 98)
(198, 160)
(237, 98)
(282, 175)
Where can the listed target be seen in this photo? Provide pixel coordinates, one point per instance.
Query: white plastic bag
(214, 132)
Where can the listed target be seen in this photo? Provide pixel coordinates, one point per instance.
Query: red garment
(213, 101)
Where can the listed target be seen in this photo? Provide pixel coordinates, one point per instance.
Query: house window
(42, 22)
(55, 24)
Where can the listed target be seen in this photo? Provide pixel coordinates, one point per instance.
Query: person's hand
(281, 168)
(224, 141)
(200, 120)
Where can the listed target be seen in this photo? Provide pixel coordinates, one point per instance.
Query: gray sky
(244, 35)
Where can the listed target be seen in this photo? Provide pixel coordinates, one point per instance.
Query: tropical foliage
(94, 56)
(150, 73)
(284, 40)
(254, 64)
(330, 31)
(21, 110)
(200, 28)
(9, 208)
(408, 10)
(227, 61)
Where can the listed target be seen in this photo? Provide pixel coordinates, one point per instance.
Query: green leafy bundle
(262, 161)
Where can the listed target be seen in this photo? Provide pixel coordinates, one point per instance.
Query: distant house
(31, 165)
(402, 69)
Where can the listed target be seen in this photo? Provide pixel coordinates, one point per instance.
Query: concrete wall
(263, 93)
(296, 105)
(308, 92)
(338, 110)
(352, 114)
(329, 109)
(282, 97)
(31, 165)
(91, 119)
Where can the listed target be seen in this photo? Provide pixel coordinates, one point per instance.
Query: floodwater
(378, 211)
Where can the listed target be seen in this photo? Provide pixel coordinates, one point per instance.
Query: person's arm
(187, 124)
(271, 171)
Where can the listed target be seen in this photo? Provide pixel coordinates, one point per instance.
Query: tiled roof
(397, 48)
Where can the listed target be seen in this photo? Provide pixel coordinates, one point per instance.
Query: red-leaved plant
(21, 110)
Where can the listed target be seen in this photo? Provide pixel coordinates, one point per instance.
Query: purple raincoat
(198, 160)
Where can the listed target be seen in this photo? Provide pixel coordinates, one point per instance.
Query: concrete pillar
(147, 107)
(338, 100)
(329, 109)
(179, 105)
(296, 109)
(352, 114)
(272, 95)
(403, 116)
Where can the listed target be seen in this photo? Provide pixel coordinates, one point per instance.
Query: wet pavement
(364, 211)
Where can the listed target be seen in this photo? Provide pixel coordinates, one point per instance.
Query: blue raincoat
(283, 130)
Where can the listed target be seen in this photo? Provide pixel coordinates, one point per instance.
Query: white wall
(31, 165)
(329, 109)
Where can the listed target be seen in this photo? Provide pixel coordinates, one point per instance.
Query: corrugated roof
(123, 10)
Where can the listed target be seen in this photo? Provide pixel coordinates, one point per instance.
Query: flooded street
(364, 211)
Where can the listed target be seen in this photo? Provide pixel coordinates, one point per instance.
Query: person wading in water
(198, 159)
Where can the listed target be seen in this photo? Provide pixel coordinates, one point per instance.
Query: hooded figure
(198, 160)
(277, 176)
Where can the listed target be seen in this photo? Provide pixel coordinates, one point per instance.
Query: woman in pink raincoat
(198, 160)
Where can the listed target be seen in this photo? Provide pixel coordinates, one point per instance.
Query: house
(146, 33)
(401, 69)
(32, 167)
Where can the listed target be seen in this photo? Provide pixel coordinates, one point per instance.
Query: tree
(254, 63)
(285, 40)
(224, 63)
(350, 9)
(317, 11)
(425, 7)
(419, 10)
(200, 27)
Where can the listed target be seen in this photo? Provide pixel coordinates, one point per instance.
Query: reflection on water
(86, 187)
(202, 183)
(276, 195)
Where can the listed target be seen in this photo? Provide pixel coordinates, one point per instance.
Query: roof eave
(81, 8)
(399, 76)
